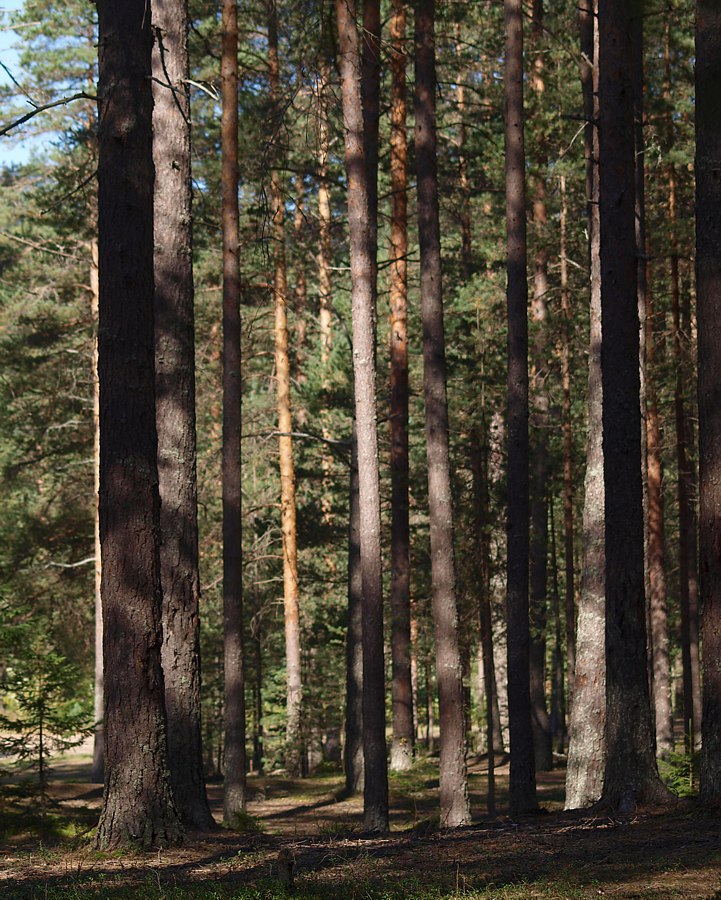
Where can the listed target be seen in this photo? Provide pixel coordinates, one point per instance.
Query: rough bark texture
(542, 738)
(455, 808)
(522, 783)
(175, 411)
(402, 746)
(234, 753)
(375, 789)
(708, 286)
(631, 774)
(325, 256)
(353, 758)
(294, 691)
(138, 803)
(370, 96)
(586, 747)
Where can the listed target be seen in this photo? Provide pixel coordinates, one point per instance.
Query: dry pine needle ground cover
(307, 824)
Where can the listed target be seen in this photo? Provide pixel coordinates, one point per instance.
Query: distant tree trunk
(455, 808)
(402, 746)
(294, 692)
(138, 805)
(542, 738)
(631, 773)
(522, 783)
(234, 752)
(656, 551)
(98, 770)
(708, 286)
(354, 638)
(375, 789)
(479, 470)
(258, 749)
(568, 542)
(324, 218)
(586, 747)
(687, 548)
(175, 411)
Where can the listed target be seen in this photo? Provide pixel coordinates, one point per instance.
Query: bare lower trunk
(354, 639)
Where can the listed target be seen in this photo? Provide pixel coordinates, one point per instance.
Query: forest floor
(673, 854)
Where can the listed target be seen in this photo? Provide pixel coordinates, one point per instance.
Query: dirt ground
(674, 854)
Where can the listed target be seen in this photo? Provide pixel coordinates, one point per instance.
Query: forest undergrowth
(309, 824)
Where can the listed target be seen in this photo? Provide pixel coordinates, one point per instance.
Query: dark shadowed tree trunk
(353, 754)
(402, 746)
(708, 286)
(234, 753)
(586, 747)
(175, 410)
(375, 789)
(522, 784)
(138, 805)
(631, 774)
(455, 808)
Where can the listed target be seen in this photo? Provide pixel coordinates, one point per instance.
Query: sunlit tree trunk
(353, 760)
(98, 715)
(293, 750)
(402, 746)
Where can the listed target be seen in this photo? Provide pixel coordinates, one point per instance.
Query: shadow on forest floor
(676, 854)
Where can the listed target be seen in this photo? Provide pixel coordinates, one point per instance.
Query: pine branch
(82, 95)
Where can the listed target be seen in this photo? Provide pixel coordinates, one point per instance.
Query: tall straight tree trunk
(234, 753)
(522, 783)
(375, 788)
(353, 760)
(138, 805)
(657, 551)
(631, 774)
(558, 695)
(542, 738)
(325, 259)
(294, 691)
(402, 746)
(370, 96)
(687, 548)
(98, 714)
(455, 808)
(708, 287)
(175, 411)
(568, 524)
(587, 740)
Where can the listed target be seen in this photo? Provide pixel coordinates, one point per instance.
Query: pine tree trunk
(568, 542)
(708, 286)
(587, 743)
(324, 219)
(138, 805)
(455, 809)
(98, 768)
(375, 789)
(294, 693)
(175, 411)
(522, 779)
(234, 675)
(353, 760)
(402, 746)
(631, 774)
